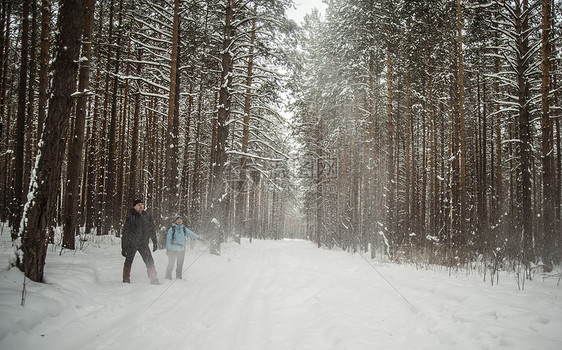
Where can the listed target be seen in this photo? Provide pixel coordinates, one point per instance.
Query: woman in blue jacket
(176, 241)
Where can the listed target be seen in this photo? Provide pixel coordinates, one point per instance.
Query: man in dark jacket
(137, 230)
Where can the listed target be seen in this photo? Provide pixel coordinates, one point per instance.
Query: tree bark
(463, 155)
(110, 217)
(390, 201)
(30, 133)
(243, 182)
(318, 180)
(171, 139)
(40, 208)
(44, 64)
(548, 172)
(134, 184)
(74, 164)
(525, 184)
(5, 176)
(223, 115)
(17, 200)
(93, 148)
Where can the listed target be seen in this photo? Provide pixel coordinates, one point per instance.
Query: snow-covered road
(271, 295)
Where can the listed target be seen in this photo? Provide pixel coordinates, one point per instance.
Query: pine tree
(40, 207)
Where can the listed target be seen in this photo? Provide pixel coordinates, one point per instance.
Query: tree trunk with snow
(171, 138)
(462, 130)
(218, 194)
(319, 200)
(17, 200)
(134, 191)
(390, 195)
(5, 176)
(44, 58)
(92, 203)
(40, 207)
(524, 150)
(74, 164)
(243, 183)
(548, 172)
(30, 131)
(110, 211)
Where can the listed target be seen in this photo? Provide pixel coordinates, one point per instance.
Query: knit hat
(137, 202)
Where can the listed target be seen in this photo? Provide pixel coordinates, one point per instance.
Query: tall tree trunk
(407, 156)
(110, 205)
(498, 209)
(44, 64)
(463, 155)
(558, 195)
(17, 200)
(408, 144)
(3, 43)
(455, 237)
(370, 197)
(525, 184)
(390, 201)
(184, 192)
(124, 137)
(196, 202)
(223, 115)
(175, 198)
(483, 193)
(5, 176)
(134, 184)
(556, 136)
(104, 144)
(93, 148)
(30, 142)
(433, 152)
(74, 164)
(40, 208)
(197, 187)
(171, 139)
(243, 182)
(548, 171)
(318, 180)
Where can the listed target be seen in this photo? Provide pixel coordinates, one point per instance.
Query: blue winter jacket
(179, 235)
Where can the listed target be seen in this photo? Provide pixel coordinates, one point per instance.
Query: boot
(126, 274)
(151, 272)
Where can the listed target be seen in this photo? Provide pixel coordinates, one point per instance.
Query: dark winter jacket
(137, 230)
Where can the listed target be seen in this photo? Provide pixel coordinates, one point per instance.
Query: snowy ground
(269, 295)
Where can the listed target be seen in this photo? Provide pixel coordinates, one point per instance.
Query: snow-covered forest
(428, 131)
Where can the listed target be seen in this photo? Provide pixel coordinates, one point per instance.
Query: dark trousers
(174, 255)
(145, 254)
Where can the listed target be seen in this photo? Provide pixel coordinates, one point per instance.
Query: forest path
(264, 295)
(273, 295)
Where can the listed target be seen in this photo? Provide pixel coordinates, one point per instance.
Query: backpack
(174, 231)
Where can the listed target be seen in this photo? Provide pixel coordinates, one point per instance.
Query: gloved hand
(154, 247)
(123, 252)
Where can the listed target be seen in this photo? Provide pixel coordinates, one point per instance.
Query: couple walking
(139, 229)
